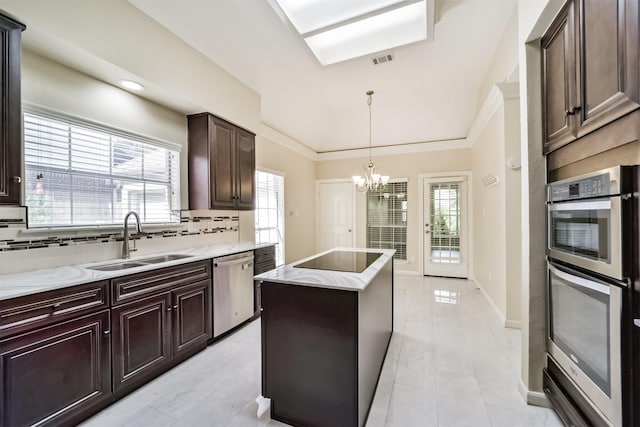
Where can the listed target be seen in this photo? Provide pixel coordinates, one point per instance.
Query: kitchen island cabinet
(325, 335)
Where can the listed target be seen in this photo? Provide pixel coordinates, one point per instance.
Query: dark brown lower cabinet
(141, 340)
(192, 314)
(152, 334)
(57, 374)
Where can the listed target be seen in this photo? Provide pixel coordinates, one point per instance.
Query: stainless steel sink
(125, 264)
(117, 266)
(163, 258)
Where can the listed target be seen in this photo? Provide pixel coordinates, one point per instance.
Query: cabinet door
(54, 375)
(221, 162)
(141, 340)
(246, 170)
(191, 317)
(608, 58)
(10, 120)
(559, 97)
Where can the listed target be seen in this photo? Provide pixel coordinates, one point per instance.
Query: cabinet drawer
(267, 253)
(131, 287)
(33, 311)
(264, 266)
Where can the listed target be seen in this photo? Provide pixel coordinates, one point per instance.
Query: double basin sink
(125, 264)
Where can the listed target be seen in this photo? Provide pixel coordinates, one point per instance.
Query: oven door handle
(581, 206)
(580, 281)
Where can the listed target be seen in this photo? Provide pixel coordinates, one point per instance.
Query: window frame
(400, 254)
(280, 213)
(174, 178)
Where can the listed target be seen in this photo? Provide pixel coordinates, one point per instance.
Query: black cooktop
(352, 262)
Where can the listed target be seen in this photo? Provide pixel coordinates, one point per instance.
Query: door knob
(349, 230)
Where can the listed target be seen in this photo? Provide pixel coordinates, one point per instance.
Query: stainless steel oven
(584, 331)
(591, 265)
(585, 222)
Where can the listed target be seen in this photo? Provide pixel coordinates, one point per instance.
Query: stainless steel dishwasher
(232, 291)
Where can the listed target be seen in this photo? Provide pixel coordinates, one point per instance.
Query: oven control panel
(585, 188)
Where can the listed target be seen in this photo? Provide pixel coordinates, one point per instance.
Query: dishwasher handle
(247, 262)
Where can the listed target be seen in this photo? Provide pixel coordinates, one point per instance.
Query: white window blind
(387, 218)
(81, 174)
(269, 212)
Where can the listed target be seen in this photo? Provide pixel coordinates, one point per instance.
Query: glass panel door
(445, 227)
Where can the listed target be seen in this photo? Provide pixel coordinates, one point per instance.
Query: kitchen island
(326, 325)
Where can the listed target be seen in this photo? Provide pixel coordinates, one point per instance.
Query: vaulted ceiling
(429, 92)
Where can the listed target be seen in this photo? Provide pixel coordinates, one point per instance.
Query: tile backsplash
(23, 249)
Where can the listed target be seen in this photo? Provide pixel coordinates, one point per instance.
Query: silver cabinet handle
(107, 332)
(17, 179)
(636, 322)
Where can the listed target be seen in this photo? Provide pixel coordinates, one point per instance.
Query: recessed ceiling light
(131, 85)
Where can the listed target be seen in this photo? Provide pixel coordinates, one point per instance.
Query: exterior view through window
(387, 218)
(269, 213)
(80, 174)
(445, 220)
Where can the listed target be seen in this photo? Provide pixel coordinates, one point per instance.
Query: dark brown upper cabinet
(221, 164)
(10, 120)
(590, 68)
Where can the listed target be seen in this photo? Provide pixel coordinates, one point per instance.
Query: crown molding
(390, 150)
(497, 95)
(278, 137)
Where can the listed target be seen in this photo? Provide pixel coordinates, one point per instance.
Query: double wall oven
(592, 259)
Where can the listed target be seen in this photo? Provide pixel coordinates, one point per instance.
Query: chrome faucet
(125, 240)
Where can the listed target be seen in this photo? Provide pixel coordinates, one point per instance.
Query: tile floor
(450, 363)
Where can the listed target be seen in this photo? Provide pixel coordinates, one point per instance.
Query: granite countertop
(20, 284)
(292, 275)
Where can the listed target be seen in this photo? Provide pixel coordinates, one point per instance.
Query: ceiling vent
(388, 57)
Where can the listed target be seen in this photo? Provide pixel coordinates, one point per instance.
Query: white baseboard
(513, 324)
(534, 398)
(495, 308)
(408, 272)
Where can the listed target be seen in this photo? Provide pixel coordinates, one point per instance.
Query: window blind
(269, 211)
(387, 218)
(79, 174)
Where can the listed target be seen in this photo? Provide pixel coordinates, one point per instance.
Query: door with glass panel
(445, 227)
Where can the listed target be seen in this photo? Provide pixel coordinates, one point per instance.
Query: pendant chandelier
(371, 181)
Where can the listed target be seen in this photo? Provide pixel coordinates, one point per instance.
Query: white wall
(398, 166)
(116, 32)
(299, 200)
(496, 220)
(55, 86)
(534, 16)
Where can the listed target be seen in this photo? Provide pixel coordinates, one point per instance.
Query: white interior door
(334, 219)
(445, 227)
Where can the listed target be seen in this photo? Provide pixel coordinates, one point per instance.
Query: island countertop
(331, 279)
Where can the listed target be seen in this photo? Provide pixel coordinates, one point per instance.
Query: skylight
(338, 30)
